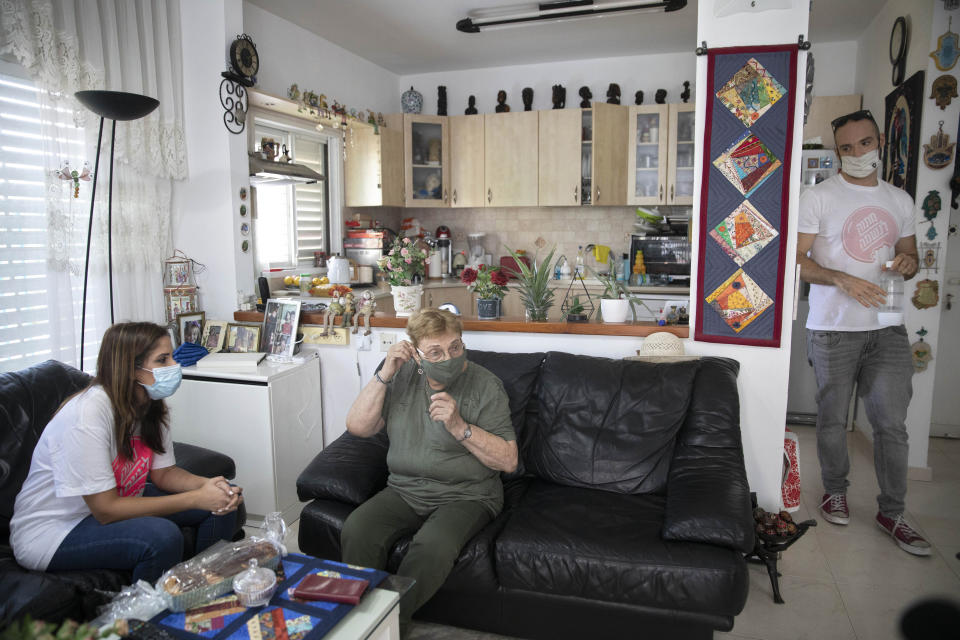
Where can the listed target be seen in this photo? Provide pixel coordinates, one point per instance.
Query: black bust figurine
(638, 97)
(613, 93)
(527, 95)
(471, 109)
(559, 96)
(502, 106)
(661, 96)
(586, 94)
(685, 94)
(441, 100)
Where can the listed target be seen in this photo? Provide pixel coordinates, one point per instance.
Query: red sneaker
(904, 535)
(833, 508)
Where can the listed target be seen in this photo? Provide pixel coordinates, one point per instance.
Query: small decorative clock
(899, 39)
(244, 60)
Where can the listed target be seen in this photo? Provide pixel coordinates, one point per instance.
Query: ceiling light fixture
(560, 11)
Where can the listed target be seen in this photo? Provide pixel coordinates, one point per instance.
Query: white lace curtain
(119, 45)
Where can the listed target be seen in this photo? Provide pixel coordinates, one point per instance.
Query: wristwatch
(466, 433)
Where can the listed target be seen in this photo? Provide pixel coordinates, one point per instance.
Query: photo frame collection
(217, 335)
(280, 319)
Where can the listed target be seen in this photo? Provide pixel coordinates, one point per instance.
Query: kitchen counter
(382, 290)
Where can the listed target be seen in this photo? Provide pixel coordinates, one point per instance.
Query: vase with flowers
(404, 264)
(490, 285)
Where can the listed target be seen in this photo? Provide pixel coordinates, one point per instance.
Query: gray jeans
(880, 363)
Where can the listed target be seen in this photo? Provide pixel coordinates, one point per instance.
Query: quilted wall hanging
(744, 196)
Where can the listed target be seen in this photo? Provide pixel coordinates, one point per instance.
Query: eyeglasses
(435, 354)
(856, 116)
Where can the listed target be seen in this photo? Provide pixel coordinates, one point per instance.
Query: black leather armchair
(28, 400)
(629, 517)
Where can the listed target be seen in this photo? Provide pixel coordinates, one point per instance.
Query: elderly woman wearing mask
(450, 433)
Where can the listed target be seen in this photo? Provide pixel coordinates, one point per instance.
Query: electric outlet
(387, 340)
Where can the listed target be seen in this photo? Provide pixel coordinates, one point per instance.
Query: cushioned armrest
(350, 470)
(204, 462)
(708, 498)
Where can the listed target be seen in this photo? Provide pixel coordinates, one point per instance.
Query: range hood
(279, 173)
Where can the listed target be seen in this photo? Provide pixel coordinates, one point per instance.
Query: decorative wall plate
(939, 152)
(243, 210)
(944, 89)
(243, 193)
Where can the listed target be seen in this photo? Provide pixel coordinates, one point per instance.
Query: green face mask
(445, 371)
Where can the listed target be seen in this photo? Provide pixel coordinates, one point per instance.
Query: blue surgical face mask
(166, 380)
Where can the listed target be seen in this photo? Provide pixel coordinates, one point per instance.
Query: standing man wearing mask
(450, 433)
(851, 225)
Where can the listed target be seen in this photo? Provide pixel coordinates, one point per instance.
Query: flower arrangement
(404, 260)
(485, 281)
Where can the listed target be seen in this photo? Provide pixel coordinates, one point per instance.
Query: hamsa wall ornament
(948, 49)
(943, 90)
(921, 352)
(926, 295)
(939, 152)
(929, 256)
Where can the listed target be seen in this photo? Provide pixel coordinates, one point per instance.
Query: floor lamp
(115, 105)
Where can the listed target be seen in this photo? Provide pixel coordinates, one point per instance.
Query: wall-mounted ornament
(929, 256)
(901, 124)
(808, 87)
(948, 48)
(244, 61)
(926, 295)
(559, 96)
(245, 229)
(586, 94)
(233, 99)
(245, 246)
(899, 38)
(660, 97)
(502, 106)
(931, 232)
(944, 89)
(471, 109)
(931, 205)
(293, 92)
(243, 210)
(939, 152)
(921, 352)
(638, 97)
(441, 100)
(66, 173)
(527, 96)
(411, 101)
(685, 94)
(613, 93)
(243, 193)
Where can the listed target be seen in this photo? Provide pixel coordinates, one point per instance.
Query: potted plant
(400, 266)
(490, 285)
(576, 312)
(533, 284)
(615, 300)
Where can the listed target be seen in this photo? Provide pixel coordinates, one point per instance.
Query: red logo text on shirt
(867, 230)
(131, 475)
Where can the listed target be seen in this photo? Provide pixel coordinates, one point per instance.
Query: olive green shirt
(428, 466)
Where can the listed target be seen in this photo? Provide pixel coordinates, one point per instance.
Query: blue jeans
(148, 546)
(879, 361)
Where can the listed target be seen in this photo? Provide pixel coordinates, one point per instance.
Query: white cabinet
(270, 421)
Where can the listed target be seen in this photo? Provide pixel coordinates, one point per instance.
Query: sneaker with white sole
(833, 508)
(904, 535)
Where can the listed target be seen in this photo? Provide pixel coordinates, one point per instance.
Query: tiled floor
(847, 582)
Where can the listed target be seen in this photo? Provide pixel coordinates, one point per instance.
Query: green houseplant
(490, 285)
(533, 285)
(615, 300)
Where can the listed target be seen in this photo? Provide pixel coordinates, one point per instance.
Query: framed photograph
(813, 163)
(280, 326)
(242, 338)
(214, 335)
(191, 327)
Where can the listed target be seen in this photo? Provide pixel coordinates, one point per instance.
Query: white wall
(646, 73)
(835, 67)
(290, 54)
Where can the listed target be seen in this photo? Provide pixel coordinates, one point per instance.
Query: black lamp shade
(117, 105)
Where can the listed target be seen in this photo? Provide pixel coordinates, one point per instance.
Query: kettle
(338, 270)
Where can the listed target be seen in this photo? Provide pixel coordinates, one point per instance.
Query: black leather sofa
(28, 400)
(630, 515)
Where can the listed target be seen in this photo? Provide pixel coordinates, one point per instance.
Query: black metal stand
(767, 552)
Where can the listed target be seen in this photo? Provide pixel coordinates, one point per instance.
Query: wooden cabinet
(435, 296)
(373, 168)
(609, 154)
(660, 158)
(560, 153)
(511, 159)
(466, 160)
(426, 161)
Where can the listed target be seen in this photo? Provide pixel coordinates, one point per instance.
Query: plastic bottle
(890, 313)
(305, 283)
(623, 272)
(578, 271)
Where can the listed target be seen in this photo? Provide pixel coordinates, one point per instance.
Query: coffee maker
(444, 239)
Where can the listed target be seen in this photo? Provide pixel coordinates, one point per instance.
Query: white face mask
(860, 166)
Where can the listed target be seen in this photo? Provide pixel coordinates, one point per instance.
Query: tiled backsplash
(519, 227)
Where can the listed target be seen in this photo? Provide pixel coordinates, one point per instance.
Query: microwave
(666, 257)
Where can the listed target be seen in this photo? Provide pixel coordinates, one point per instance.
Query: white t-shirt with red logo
(857, 229)
(75, 456)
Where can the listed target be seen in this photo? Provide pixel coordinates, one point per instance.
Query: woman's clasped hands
(218, 496)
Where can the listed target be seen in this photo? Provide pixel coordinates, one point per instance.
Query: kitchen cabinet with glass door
(466, 161)
(373, 166)
(680, 154)
(511, 159)
(660, 156)
(426, 161)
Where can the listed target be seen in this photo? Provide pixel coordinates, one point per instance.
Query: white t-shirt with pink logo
(857, 229)
(75, 456)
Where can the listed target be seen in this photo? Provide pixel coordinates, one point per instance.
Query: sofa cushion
(608, 424)
(615, 554)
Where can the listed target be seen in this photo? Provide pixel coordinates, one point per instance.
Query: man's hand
(397, 355)
(443, 408)
(905, 263)
(863, 291)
